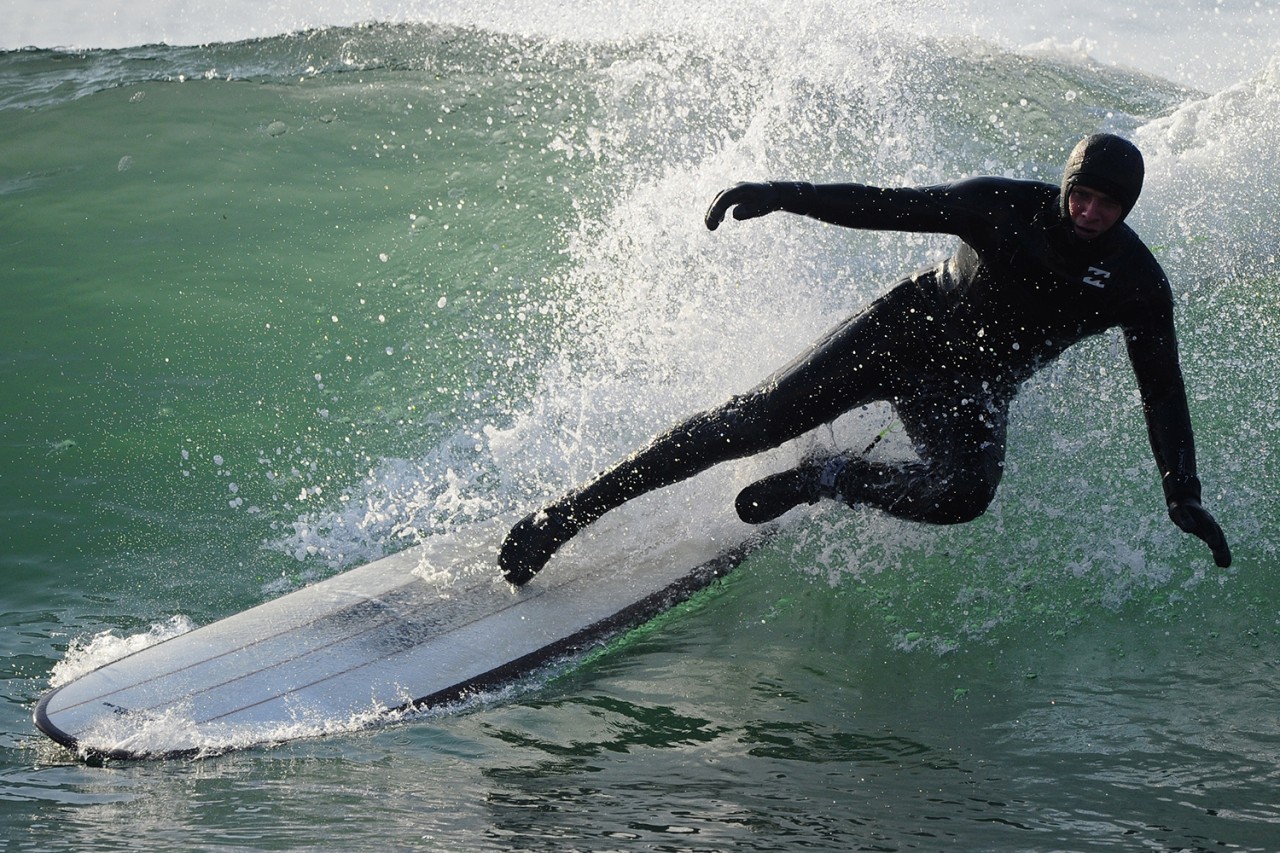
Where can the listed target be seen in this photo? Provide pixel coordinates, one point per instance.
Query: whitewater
(292, 286)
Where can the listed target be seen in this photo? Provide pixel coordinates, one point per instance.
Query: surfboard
(424, 628)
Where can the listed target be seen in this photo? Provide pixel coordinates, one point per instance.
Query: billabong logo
(1097, 277)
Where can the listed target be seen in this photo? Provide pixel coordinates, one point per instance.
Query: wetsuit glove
(751, 200)
(1182, 494)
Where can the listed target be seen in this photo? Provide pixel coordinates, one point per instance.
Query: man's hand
(1193, 518)
(747, 200)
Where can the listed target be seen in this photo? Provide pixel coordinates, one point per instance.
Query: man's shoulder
(1137, 271)
(994, 185)
(990, 194)
(1136, 253)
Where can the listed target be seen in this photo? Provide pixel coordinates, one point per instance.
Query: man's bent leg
(916, 491)
(960, 435)
(961, 440)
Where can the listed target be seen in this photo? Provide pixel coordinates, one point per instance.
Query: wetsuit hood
(1108, 164)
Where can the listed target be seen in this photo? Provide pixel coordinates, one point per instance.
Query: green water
(385, 281)
(217, 283)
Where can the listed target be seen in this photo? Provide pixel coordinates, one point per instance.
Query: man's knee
(961, 502)
(969, 488)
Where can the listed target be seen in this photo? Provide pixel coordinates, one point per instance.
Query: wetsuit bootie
(532, 542)
(766, 499)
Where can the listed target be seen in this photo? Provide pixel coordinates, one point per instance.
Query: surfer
(1039, 268)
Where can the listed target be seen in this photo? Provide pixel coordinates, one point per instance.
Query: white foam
(84, 656)
(1211, 172)
(175, 731)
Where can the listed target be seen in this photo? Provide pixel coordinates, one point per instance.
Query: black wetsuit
(948, 347)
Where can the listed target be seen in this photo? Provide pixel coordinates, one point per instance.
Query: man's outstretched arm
(949, 209)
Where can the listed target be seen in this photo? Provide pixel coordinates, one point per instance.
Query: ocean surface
(287, 289)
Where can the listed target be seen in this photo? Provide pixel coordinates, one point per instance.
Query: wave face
(280, 306)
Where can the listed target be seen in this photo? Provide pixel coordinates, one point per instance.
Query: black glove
(1182, 492)
(747, 200)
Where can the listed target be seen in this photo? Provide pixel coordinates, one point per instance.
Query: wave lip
(1176, 40)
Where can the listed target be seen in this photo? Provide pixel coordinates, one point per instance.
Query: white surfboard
(419, 629)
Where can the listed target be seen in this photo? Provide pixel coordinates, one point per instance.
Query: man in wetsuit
(1039, 268)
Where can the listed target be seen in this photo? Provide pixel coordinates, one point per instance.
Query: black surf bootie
(532, 542)
(770, 497)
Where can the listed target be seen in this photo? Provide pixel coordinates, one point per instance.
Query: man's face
(1092, 213)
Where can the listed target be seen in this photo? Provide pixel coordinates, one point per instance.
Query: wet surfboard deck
(423, 628)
